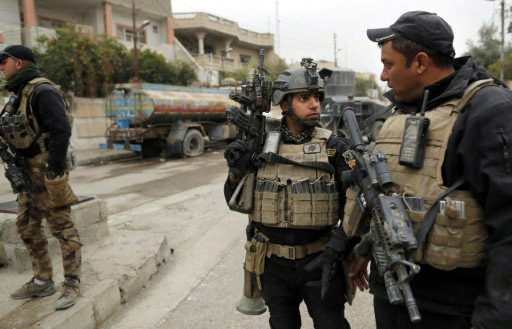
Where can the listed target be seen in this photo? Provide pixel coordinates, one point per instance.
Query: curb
(97, 159)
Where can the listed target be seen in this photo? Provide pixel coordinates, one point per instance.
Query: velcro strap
(296, 252)
(270, 157)
(430, 216)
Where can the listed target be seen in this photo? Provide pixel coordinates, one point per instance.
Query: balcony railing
(212, 22)
(212, 61)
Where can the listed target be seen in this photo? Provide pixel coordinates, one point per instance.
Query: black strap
(271, 157)
(430, 216)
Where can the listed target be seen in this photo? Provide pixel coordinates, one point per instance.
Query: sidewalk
(115, 267)
(97, 156)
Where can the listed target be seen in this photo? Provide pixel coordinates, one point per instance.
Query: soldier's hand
(238, 157)
(358, 273)
(327, 261)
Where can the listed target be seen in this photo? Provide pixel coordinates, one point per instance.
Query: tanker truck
(170, 121)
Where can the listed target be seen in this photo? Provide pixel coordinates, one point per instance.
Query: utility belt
(260, 247)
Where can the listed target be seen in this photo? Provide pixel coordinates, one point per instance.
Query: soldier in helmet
(296, 208)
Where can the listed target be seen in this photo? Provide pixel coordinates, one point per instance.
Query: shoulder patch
(312, 148)
(330, 152)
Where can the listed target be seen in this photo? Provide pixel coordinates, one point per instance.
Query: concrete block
(130, 285)
(88, 233)
(103, 209)
(105, 298)
(8, 231)
(18, 257)
(80, 316)
(86, 213)
(103, 230)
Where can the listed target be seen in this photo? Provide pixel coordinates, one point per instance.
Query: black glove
(328, 262)
(52, 173)
(238, 158)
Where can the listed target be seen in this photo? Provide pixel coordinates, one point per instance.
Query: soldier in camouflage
(36, 125)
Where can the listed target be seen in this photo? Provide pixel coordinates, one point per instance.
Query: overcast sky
(306, 27)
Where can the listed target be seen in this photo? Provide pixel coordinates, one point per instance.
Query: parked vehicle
(340, 85)
(369, 114)
(153, 119)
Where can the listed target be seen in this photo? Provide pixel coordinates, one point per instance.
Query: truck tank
(148, 104)
(168, 120)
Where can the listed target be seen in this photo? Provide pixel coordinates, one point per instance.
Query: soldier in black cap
(36, 125)
(465, 177)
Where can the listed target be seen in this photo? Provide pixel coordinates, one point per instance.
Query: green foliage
(362, 86)
(487, 49)
(274, 68)
(90, 65)
(86, 64)
(494, 68)
(154, 68)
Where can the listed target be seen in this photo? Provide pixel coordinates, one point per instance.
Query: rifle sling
(271, 157)
(430, 216)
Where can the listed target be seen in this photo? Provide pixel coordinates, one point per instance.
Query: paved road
(183, 199)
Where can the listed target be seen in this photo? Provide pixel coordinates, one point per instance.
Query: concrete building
(218, 44)
(209, 43)
(24, 21)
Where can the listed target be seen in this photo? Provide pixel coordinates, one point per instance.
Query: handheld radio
(412, 150)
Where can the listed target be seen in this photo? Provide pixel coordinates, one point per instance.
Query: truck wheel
(193, 143)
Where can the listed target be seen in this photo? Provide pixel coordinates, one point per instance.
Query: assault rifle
(254, 100)
(390, 239)
(13, 172)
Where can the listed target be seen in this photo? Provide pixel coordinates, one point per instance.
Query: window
(126, 33)
(155, 29)
(52, 23)
(245, 58)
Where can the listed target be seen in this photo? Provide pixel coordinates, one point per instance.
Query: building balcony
(214, 62)
(199, 21)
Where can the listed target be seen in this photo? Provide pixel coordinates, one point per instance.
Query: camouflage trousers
(31, 212)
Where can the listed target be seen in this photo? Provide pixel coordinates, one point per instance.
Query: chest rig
(288, 195)
(19, 126)
(457, 237)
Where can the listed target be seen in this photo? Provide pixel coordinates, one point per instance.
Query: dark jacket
(292, 237)
(480, 149)
(51, 117)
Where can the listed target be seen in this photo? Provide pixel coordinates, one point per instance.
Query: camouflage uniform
(59, 220)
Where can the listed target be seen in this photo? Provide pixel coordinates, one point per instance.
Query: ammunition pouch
(256, 250)
(59, 192)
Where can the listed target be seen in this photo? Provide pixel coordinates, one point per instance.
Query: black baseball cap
(422, 27)
(18, 52)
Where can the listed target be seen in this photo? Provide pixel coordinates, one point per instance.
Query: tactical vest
(455, 239)
(294, 196)
(19, 126)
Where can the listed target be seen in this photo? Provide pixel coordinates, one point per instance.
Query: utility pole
(135, 37)
(277, 28)
(335, 52)
(502, 45)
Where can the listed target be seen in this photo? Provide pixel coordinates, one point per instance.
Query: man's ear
(284, 106)
(422, 62)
